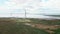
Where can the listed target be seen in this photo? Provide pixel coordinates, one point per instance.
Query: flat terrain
(28, 26)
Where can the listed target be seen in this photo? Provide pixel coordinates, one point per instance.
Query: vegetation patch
(57, 31)
(14, 28)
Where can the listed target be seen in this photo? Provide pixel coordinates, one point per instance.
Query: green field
(47, 22)
(16, 26)
(10, 27)
(20, 29)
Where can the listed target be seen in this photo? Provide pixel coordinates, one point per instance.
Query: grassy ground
(12, 26)
(16, 26)
(20, 29)
(47, 22)
(57, 31)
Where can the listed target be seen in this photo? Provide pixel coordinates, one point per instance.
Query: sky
(16, 7)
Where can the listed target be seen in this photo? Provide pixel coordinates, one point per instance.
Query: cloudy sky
(8, 7)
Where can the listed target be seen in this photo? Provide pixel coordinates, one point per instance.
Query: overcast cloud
(31, 7)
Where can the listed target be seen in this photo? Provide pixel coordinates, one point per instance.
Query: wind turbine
(25, 14)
